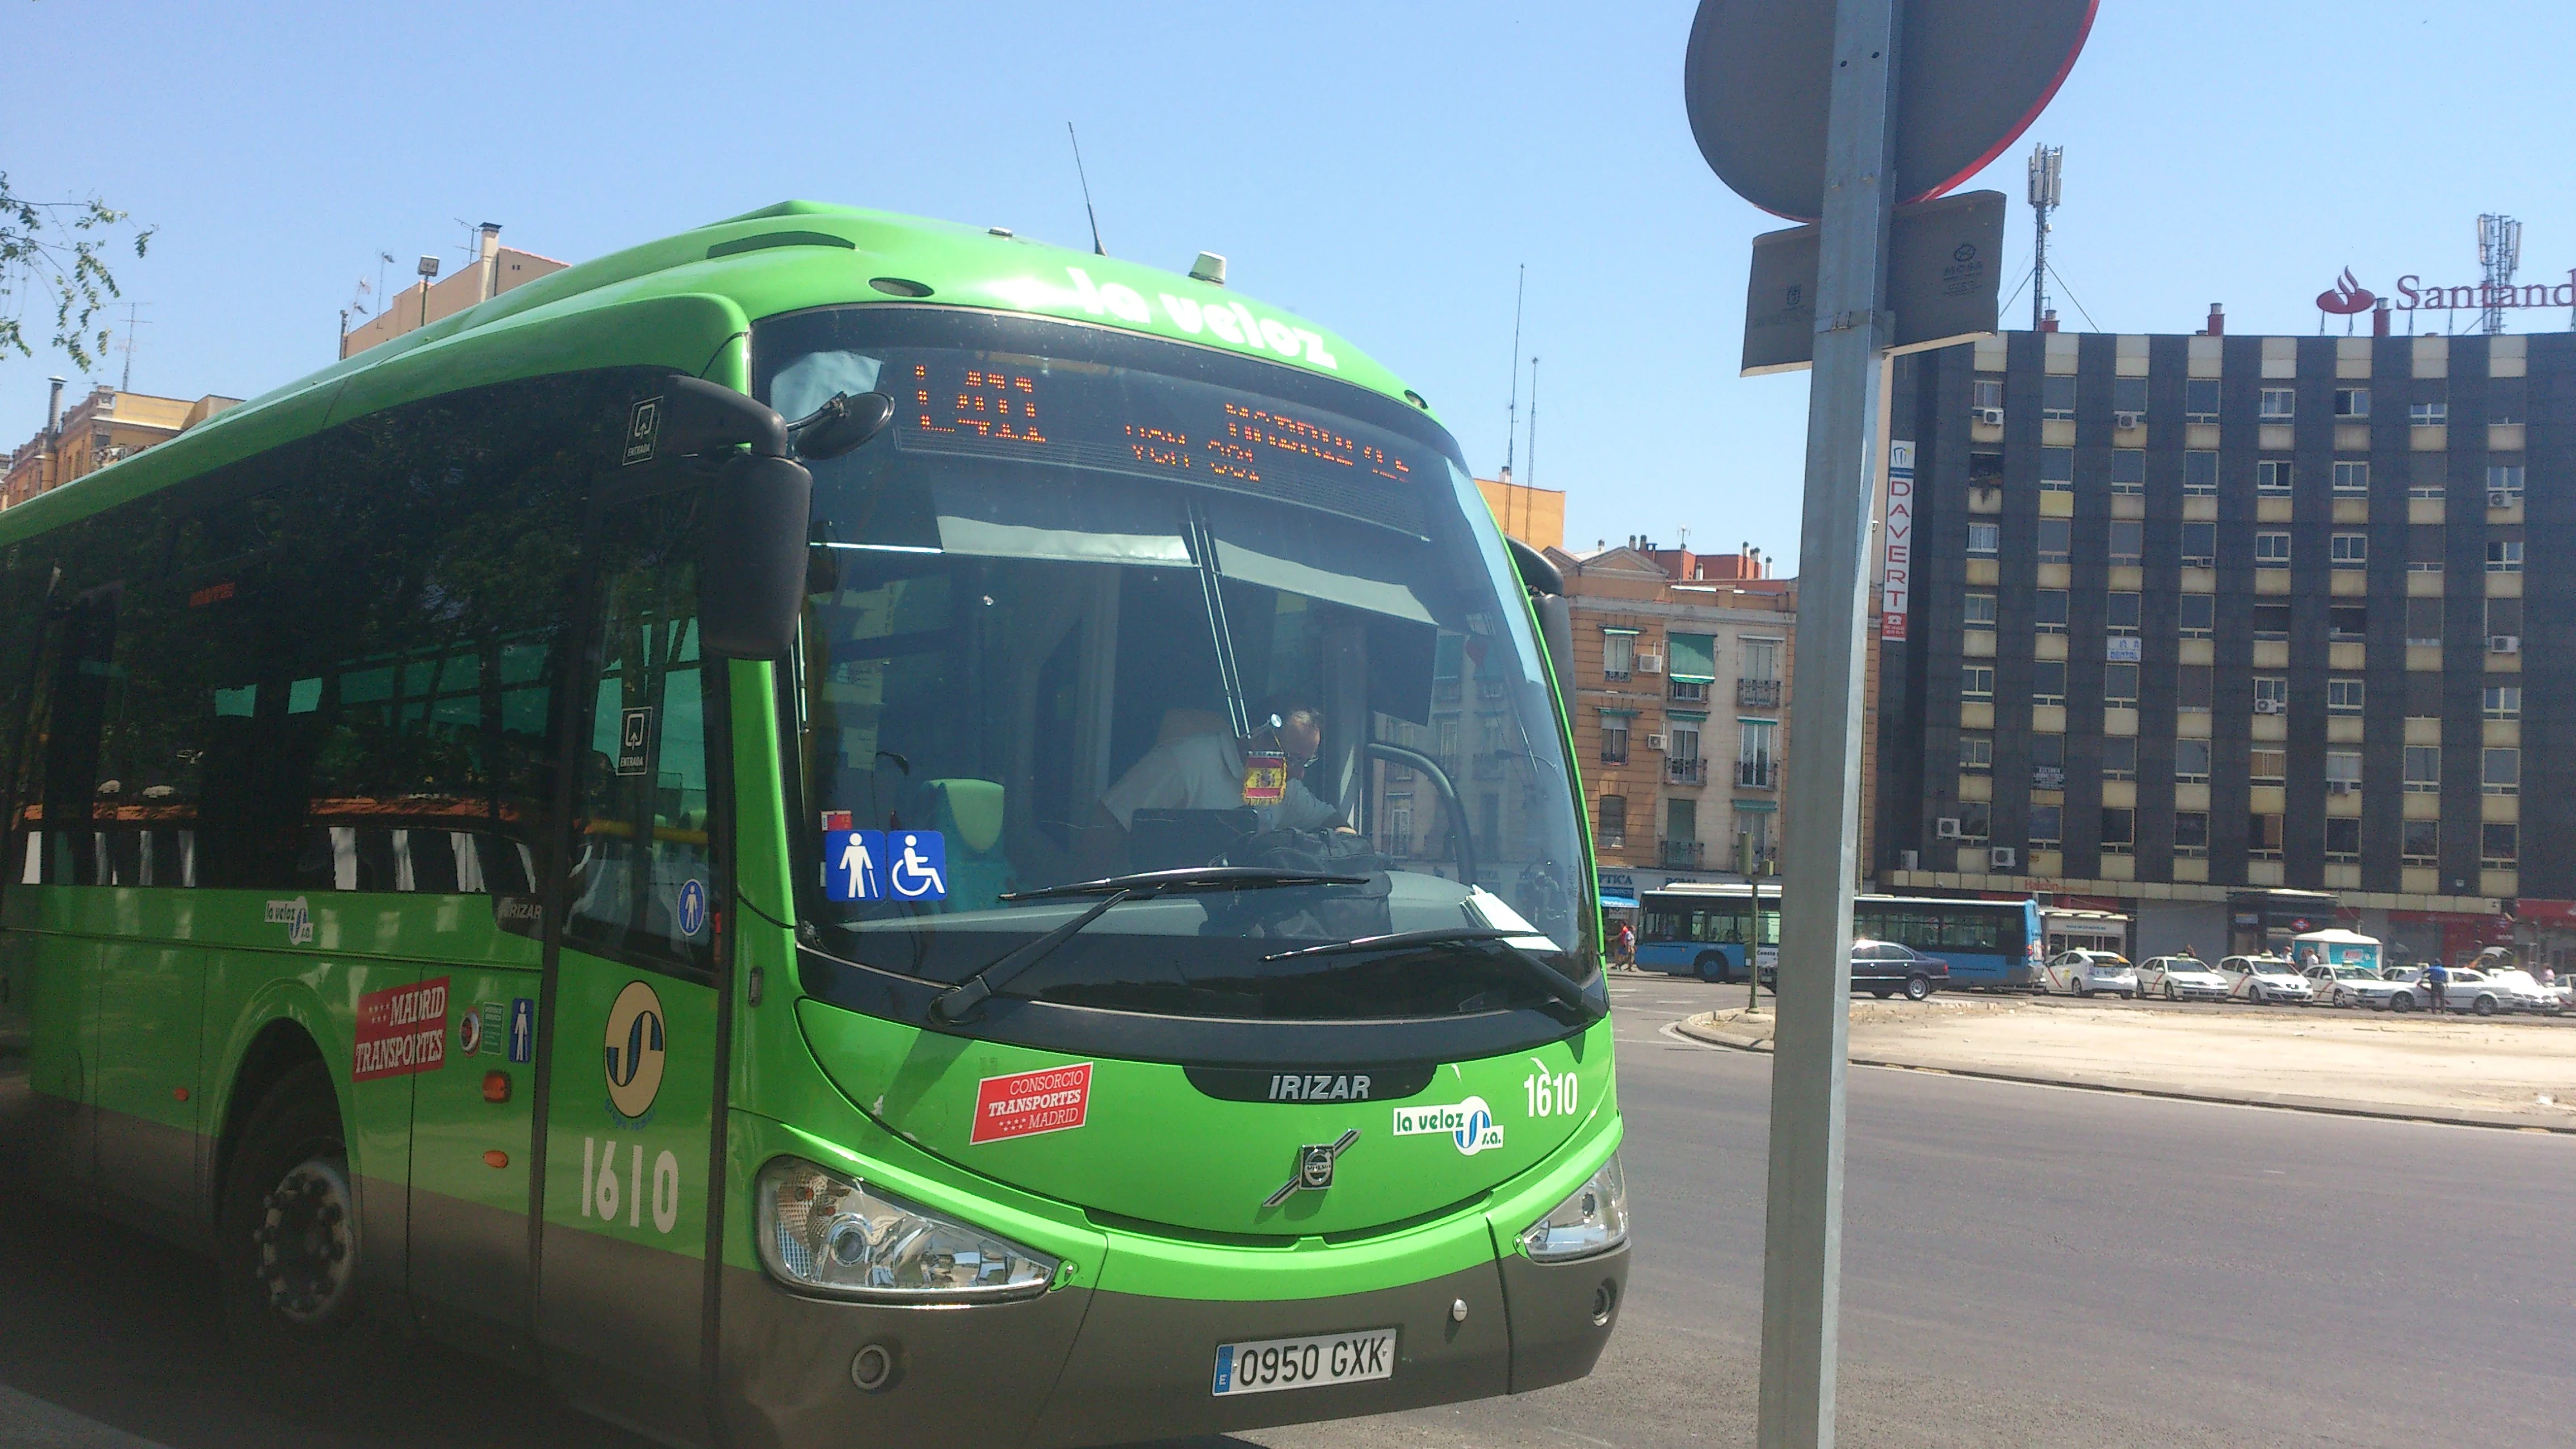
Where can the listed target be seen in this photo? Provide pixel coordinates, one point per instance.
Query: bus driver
(1210, 772)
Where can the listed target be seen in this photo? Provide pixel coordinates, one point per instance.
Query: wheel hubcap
(307, 1242)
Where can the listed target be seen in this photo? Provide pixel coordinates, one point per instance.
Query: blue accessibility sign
(523, 1029)
(693, 907)
(885, 865)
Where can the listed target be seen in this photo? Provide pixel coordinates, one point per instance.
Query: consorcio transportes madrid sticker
(1025, 1104)
(401, 1030)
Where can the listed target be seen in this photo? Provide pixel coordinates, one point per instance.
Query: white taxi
(2086, 973)
(2265, 979)
(2182, 978)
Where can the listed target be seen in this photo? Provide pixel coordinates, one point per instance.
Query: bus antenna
(1512, 410)
(1079, 174)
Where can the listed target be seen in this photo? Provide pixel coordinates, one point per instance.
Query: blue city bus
(1987, 943)
(1706, 930)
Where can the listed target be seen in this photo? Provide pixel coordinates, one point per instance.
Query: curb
(1715, 1035)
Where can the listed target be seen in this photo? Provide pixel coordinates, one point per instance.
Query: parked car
(2181, 978)
(2085, 973)
(2394, 989)
(2529, 994)
(2265, 979)
(2332, 982)
(1884, 968)
(2467, 990)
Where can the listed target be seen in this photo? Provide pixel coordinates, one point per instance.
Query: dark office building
(2193, 618)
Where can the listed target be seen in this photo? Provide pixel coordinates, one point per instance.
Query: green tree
(59, 250)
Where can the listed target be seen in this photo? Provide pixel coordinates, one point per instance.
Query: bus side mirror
(751, 578)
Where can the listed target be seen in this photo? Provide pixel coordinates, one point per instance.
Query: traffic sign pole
(1802, 1227)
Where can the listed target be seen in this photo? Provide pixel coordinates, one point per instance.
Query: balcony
(1685, 772)
(1615, 754)
(1444, 691)
(1683, 691)
(1759, 773)
(1757, 694)
(1680, 854)
(1614, 676)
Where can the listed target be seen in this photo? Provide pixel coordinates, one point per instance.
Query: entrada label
(1469, 1124)
(1024, 1105)
(401, 1030)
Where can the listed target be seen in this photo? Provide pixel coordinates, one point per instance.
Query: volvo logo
(1314, 1168)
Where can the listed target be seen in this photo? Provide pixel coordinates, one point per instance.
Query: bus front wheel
(1711, 967)
(287, 1234)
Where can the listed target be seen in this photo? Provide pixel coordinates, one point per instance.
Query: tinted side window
(646, 826)
(334, 667)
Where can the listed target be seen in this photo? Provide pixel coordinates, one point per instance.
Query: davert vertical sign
(1897, 565)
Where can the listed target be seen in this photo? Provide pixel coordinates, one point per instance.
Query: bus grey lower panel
(1143, 1367)
(960, 1375)
(1562, 1315)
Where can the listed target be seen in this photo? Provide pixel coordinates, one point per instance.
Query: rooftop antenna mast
(125, 344)
(2499, 252)
(2046, 170)
(1512, 410)
(1533, 434)
(1085, 178)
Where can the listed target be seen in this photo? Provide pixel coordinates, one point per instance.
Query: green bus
(828, 829)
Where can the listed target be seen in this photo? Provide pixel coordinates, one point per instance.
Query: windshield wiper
(1188, 878)
(1539, 972)
(954, 1004)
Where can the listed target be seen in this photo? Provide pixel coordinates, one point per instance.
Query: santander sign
(2348, 297)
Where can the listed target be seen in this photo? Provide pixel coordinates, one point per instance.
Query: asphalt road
(2022, 1266)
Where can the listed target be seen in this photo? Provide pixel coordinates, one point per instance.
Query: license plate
(1301, 1363)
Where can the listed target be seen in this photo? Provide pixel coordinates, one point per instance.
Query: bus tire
(287, 1238)
(1711, 967)
(1918, 987)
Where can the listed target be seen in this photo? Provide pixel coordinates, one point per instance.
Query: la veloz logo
(296, 917)
(1470, 1124)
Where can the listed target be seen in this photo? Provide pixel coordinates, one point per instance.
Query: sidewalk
(2315, 1059)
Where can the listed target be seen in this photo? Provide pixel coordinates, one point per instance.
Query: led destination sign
(1086, 416)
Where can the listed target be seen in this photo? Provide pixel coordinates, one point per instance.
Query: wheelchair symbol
(919, 871)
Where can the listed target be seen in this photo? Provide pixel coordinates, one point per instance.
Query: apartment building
(97, 430)
(1681, 672)
(2198, 620)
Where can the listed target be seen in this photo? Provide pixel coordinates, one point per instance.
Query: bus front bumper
(1083, 1367)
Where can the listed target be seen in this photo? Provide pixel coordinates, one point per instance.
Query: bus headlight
(1593, 1220)
(826, 1233)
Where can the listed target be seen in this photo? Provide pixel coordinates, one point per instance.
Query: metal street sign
(1973, 73)
(1944, 281)
(1837, 110)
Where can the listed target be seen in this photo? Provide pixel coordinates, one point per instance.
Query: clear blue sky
(1383, 168)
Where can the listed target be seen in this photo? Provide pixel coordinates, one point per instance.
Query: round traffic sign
(1972, 75)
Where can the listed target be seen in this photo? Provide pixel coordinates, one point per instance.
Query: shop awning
(1618, 903)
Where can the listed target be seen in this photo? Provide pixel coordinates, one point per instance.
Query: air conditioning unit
(2504, 643)
(1947, 827)
(2342, 787)
(2126, 420)
(2498, 498)
(1654, 742)
(2001, 857)
(2269, 706)
(1913, 859)
(1650, 663)
(1992, 417)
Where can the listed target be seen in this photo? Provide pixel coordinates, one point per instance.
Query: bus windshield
(1099, 605)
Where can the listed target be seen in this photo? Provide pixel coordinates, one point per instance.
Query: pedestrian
(1627, 952)
(2437, 983)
